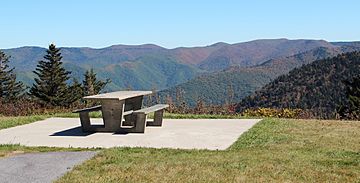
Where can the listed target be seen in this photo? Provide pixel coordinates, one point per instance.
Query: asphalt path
(40, 167)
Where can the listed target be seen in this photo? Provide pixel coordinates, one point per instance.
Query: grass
(76, 115)
(8, 122)
(276, 150)
(13, 149)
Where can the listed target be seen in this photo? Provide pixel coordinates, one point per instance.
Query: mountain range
(201, 72)
(215, 88)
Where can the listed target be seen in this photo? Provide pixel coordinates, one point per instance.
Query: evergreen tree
(76, 91)
(351, 108)
(91, 85)
(50, 86)
(10, 89)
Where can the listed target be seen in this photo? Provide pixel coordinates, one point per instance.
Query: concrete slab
(40, 167)
(175, 133)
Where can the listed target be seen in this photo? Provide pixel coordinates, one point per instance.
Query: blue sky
(79, 23)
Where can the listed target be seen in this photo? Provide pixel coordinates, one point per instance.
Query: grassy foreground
(277, 150)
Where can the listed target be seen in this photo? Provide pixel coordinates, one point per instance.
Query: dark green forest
(319, 87)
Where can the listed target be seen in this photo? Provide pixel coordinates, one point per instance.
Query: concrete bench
(139, 116)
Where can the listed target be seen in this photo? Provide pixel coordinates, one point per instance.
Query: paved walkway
(176, 133)
(39, 167)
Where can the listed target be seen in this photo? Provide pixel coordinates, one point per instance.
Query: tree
(76, 91)
(200, 107)
(153, 98)
(351, 108)
(50, 86)
(10, 89)
(169, 101)
(230, 94)
(91, 85)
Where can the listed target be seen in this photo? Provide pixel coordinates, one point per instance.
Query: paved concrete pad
(39, 167)
(175, 133)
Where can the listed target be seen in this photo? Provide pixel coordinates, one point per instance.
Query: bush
(271, 112)
(25, 107)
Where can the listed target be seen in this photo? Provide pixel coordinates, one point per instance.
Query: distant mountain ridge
(256, 52)
(148, 66)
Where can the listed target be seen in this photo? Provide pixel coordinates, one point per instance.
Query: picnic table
(115, 107)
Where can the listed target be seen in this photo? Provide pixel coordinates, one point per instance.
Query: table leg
(85, 121)
(112, 114)
(158, 118)
(134, 103)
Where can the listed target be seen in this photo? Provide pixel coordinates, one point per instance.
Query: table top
(120, 95)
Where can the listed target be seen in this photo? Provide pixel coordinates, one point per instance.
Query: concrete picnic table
(114, 107)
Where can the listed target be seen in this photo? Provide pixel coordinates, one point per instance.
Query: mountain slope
(151, 66)
(317, 86)
(138, 67)
(214, 88)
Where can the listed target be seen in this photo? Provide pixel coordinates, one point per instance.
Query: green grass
(275, 150)
(13, 149)
(8, 122)
(76, 115)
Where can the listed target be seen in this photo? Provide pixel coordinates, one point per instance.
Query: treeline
(53, 86)
(327, 88)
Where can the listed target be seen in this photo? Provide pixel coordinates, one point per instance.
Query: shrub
(272, 112)
(25, 107)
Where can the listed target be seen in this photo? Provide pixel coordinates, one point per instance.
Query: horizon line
(195, 46)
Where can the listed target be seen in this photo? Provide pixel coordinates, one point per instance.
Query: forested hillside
(235, 83)
(317, 87)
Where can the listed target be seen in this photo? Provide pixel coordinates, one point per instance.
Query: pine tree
(351, 108)
(10, 89)
(91, 85)
(50, 86)
(76, 91)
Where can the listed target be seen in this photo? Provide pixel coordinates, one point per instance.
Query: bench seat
(90, 109)
(158, 110)
(154, 108)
